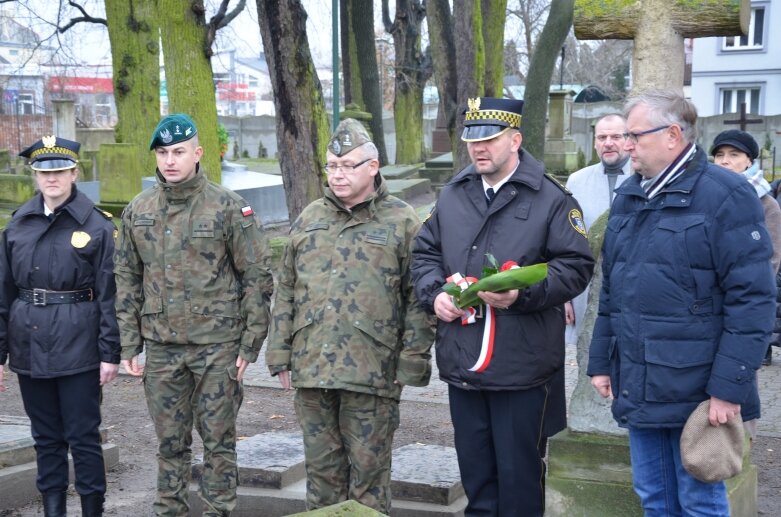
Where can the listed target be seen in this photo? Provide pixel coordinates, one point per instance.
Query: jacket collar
(684, 184)
(178, 192)
(79, 208)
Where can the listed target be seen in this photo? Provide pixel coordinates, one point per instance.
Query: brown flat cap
(710, 453)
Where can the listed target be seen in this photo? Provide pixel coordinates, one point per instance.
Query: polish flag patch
(246, 211)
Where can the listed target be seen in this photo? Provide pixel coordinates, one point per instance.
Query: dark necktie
(489, 195)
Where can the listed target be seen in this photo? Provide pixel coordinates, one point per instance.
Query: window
(755, 37)
(25, 103)
(732, 98)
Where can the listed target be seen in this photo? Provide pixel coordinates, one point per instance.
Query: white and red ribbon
(470, 316)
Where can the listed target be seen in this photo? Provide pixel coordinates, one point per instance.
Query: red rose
(508, 265)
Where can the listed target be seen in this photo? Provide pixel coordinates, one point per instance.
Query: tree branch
(84, 18)
(220, 20)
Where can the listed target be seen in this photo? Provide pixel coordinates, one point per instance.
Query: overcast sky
(88, 43)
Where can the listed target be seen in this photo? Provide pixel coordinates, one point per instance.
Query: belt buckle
(39, 297)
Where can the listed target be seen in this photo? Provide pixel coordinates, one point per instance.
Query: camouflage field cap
(173, 129)
(52, 153)
(488, 117)
(348, 135)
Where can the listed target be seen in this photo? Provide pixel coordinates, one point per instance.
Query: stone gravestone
(425, 480)
(561, 151)
(120, 174)
(589, 466)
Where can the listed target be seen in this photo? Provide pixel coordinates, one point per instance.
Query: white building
(727, 71)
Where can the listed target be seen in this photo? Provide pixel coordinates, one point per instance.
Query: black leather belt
(42, 297)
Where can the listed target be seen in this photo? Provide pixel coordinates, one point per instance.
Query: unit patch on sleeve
(576, 220)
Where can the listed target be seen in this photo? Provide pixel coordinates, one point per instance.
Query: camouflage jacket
(345, 312)
(192, 267)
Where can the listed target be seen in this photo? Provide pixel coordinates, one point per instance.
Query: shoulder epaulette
(105, 214)
(559, 184)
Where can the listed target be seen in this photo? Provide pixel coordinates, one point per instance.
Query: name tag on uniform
(144, 222)
(377, 236)
(316, 226)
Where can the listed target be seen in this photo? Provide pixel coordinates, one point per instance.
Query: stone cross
(658, 28)
(743, 121)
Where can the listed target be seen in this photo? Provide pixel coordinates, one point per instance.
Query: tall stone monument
(561, 152)
(589, 471)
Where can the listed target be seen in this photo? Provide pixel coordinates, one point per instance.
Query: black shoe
(92, 505)
(768, 360)
(54, 504)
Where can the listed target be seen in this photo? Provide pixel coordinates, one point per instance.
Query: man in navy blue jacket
(687, 302)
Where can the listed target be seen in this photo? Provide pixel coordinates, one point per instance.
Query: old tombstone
(120, 174)
(425, 480)
(743, 121)
(561, 151)
(589, 466)
(64, 118)
(18, 469)
(658, 28)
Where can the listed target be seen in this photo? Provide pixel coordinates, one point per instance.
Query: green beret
(173, 129)
(348, 135)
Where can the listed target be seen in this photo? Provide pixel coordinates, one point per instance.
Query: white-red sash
(469, 317)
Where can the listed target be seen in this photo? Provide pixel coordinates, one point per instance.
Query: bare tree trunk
(470, 63)
(440, 30)
(189, 73)
(362, 15)
(412, 71)
(302, 122)
(538, 84)
(494, 15)
(134, 36)
(350, 80)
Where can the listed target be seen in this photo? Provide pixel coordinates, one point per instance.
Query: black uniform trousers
(65, 414)
(500, 443)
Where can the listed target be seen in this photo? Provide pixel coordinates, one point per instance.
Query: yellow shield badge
(79, 239)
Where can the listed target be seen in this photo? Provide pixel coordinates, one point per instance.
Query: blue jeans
(663, 485)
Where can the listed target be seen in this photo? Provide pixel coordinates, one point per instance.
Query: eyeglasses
(604, 138)
(332, 168)
(633, 137)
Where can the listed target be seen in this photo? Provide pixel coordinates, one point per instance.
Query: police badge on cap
(52, 153)
(487, 117)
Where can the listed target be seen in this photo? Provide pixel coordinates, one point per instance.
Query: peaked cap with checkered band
(52, 153)
(487, 117)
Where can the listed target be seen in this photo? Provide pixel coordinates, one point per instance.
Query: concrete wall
(248, 131)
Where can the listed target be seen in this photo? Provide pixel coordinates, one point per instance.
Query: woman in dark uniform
(57, 323)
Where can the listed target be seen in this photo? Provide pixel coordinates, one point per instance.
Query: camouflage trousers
(348, 439)
(188, 384)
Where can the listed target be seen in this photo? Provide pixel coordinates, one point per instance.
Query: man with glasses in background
(347, 331)
(687, 301)
(593, 187)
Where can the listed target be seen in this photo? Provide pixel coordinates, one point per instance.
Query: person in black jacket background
(506, 388)
(58, 325)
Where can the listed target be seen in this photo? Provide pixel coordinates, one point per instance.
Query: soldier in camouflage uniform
(347, 330)
(193, 288)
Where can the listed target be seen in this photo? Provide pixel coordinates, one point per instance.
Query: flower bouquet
(495, 279)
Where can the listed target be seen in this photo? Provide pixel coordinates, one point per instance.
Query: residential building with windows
(728, 71)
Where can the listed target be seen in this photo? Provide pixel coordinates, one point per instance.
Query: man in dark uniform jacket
(506, 390)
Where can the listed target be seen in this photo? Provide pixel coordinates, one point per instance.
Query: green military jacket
(192, 267)
(345, 312)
